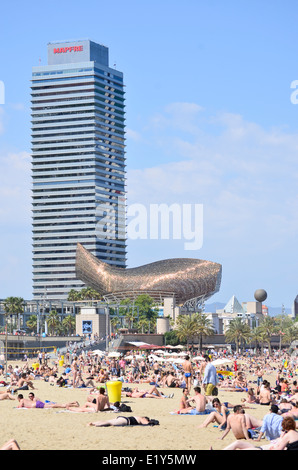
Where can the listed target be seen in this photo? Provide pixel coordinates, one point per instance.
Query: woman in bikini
(125, 421)
(218, 416)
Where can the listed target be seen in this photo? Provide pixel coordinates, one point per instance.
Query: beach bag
(125, 408)
(153, 422)
(215, 392)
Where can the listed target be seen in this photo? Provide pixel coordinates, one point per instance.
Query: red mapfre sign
(60, 50)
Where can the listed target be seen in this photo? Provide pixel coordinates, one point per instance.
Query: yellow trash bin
(61, 361)
(114, 390)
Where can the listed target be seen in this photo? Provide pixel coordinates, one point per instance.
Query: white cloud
(246, 176)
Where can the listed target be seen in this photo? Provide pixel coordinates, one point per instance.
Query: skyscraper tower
(78, 164)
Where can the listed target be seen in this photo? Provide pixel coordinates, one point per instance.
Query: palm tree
(14, 306)
(53, 321)
(187, 327)
(143, 324)
(256, 336)
(69, 324)
(290, 333)
(126, 310)
(147, 309)
(115, 320)
(130, 316)
(238, 331)
(87, 293)
(283, 323)
(32, 322)
(268, 328)
(204, 327)
(74, 295)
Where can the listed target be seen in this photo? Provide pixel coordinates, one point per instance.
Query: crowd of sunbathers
(241, 373)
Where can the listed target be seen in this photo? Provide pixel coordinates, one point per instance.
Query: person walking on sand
(75, 371)
(188, 372)
(210, 379)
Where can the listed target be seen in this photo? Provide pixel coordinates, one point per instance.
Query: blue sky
(209, 121)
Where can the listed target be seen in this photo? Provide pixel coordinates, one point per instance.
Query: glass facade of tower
(78, 164)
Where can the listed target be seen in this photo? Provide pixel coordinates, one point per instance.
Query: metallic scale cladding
(182, 278)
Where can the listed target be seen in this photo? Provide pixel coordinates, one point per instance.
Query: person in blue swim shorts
(188, 372)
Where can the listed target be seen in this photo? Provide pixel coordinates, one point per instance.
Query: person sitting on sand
(288, 439)
(241, 424)
(23, 384)
(183, 402)
(251, 397)
(170, 380)
(200, 404)
(293, 412)
(265, 394)
(100, 399)
(240, 382)
(125, 421)
(101, 377)
(285, 406)
(6, 396)
(218, 416)
(95, 402)
(271, 425)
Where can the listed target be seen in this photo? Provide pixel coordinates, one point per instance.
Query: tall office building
(78, 164)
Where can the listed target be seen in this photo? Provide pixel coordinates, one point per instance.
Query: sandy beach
(55, 429)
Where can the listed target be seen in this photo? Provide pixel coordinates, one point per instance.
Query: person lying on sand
(34, 403)
(152, 393)
(126, 421)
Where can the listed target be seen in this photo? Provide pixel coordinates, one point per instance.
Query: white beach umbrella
(114, 354)
(131, 357)
(99, 352)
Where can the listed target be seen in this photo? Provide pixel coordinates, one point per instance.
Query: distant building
(265, 310)
(295, 307)
(251, 312)
(78, 164)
